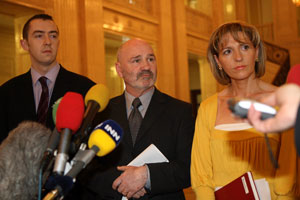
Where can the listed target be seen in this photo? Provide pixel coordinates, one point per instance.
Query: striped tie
(44, 101)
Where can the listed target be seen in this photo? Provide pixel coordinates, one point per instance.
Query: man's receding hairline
(141, 41)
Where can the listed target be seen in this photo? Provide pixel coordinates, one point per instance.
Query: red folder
(242, 188)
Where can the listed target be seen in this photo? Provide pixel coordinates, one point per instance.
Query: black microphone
(20, 156)
(68, 119)
(96, 100)
(47, 161)
(53, 141)
(61, 184)
(104, 138)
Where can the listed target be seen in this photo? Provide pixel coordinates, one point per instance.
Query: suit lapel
(120, 115)
(61, 85)
(27, 95)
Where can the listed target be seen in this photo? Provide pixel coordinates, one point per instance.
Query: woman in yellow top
(225, 147)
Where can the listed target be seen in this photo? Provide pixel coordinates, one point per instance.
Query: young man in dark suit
(166, 122)
(21, 96)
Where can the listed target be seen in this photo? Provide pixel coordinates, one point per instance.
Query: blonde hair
(234, 28)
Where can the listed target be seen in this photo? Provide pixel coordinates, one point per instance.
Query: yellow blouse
(219, 156)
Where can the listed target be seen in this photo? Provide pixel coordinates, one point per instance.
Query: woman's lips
(240, 67)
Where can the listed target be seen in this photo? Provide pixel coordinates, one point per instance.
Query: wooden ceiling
(15, 10)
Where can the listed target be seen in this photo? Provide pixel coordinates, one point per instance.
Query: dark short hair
(27, 24)
(234, 28)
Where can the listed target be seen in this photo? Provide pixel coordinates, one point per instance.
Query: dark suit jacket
(17, 99)
(169, 124)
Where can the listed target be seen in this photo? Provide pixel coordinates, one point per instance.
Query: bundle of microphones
(67, 153)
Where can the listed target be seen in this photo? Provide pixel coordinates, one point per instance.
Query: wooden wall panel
(198, 23)
(271, 72)
(13, 15)
(82, 40)
(128, 25)
(94, 37)
(180, 51)
(7, 53)
(66, 18)
(285, 28)
(166, 62)
(138, 6)
(144, 10)
(218, 13)
(36, 4)
(22, 58)
(241, 10)
(197, 45)
(166, 24)
(199, 28)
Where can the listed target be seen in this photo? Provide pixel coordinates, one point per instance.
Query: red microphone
(69, 116)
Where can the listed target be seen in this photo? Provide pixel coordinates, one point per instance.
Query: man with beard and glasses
(166, 122)
(31, 95)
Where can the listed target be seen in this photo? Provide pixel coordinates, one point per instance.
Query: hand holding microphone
(104, 138)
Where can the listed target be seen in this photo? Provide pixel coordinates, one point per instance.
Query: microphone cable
(271, 155)
(40, 183)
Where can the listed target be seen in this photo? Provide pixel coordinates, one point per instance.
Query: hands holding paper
(135, 175)
(132, 181)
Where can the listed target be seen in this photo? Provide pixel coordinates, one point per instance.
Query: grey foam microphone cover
(20, 156)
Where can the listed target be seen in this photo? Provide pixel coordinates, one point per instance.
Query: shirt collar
(50, 75)
(145, 99)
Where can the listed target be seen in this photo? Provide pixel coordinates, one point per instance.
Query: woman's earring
(220, 68)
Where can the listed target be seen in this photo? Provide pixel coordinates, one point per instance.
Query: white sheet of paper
(150, 155)
(263, 189)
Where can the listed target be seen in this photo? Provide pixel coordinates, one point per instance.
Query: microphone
(68, 119)
(61, 184)
(96, 100)
(104, 138)
(53, 140)
(20, 156)
(54, 109)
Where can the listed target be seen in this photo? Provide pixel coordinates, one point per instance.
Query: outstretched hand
(287, 98)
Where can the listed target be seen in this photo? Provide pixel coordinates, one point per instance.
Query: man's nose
(145, 65)
(47, 40)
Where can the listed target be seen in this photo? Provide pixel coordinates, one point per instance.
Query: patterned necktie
(44, 101)
(135, 119)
